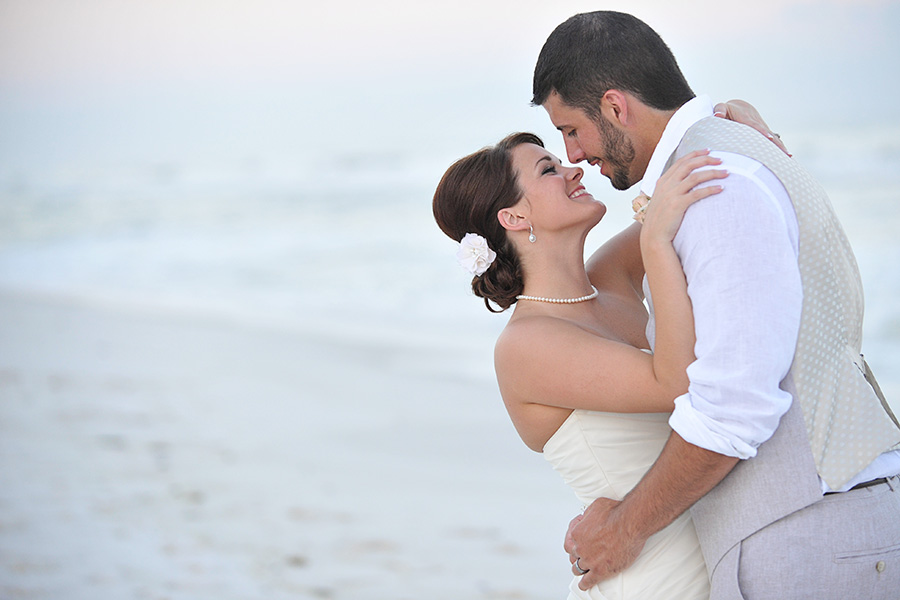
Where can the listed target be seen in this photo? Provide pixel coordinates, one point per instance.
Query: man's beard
(619, 153)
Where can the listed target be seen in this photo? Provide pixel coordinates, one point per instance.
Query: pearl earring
(531, 237)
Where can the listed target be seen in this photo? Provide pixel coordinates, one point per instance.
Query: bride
(572, 363)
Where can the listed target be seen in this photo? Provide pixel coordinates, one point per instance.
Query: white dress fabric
(601, 454)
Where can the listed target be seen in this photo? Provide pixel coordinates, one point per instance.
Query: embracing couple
(732, 443)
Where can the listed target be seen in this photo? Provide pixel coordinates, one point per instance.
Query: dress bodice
(603, 454)
(606, 454)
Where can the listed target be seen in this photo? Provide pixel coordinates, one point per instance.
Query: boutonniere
(639, 206)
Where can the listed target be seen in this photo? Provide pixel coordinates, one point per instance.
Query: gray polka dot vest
(847, 421)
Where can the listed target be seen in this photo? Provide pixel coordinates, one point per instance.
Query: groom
(782, 449)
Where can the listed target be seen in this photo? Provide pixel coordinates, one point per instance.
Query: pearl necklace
(590, 296)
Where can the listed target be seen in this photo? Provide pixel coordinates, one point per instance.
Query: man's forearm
(682, 474)
(610, 535)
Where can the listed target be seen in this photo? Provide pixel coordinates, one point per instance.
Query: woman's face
(554, 193)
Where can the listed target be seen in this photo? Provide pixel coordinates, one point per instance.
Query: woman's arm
(549, 361)
(674, 322)
(553, 361)
(616, 266)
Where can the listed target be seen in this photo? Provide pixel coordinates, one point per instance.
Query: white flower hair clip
(474, 254)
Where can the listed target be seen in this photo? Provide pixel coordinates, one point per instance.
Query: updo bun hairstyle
(471, 193)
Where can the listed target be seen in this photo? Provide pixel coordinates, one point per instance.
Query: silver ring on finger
(578, 567)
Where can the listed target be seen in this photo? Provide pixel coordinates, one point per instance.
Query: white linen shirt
(739, 250)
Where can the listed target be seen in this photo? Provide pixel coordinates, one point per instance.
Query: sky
(110, 41)
(232, 78)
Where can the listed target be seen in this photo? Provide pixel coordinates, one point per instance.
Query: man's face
(598, 142)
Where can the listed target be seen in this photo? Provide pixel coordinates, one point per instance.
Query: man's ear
(614, 106)
(512, 219)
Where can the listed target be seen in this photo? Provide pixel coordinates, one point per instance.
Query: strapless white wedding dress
(603, 454)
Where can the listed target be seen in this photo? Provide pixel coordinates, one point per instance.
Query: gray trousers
(845, 546)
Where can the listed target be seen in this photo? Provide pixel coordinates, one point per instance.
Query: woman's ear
(512, 219)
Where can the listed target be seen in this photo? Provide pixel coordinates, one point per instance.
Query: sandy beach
(151, 455)
(180, 455)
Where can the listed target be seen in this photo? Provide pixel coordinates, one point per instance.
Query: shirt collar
(691, 112)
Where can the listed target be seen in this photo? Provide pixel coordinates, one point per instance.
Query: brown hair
(471, 193)
(591, 53)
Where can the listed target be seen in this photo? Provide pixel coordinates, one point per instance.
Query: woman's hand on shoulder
(745, 113)
(678, 188)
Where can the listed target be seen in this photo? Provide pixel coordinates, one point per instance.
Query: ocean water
(347, 246)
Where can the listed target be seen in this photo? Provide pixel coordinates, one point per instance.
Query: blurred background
(173, 170)
(215, 155)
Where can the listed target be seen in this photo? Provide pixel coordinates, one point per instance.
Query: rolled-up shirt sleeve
(739, 253)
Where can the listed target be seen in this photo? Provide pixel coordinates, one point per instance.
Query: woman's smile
(579, 191)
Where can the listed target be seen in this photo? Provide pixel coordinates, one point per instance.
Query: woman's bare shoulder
(529, 346)
(521, 335)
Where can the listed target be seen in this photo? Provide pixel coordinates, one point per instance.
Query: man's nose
(574, 152)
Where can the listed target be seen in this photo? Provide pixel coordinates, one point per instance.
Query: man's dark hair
(591, 53)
